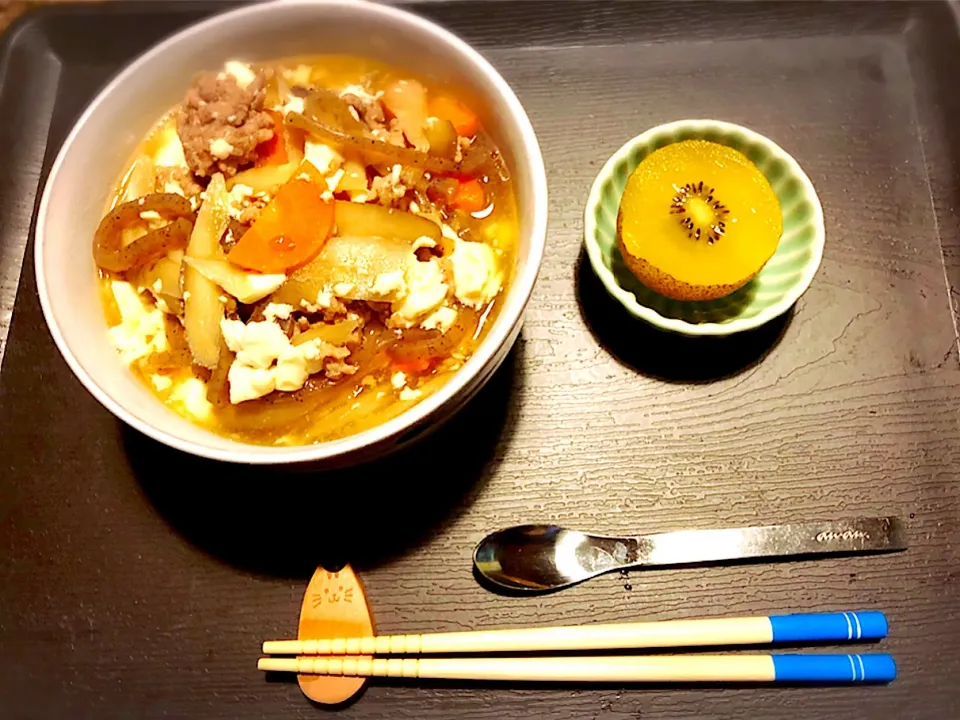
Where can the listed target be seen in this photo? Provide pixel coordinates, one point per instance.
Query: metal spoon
(541, 558)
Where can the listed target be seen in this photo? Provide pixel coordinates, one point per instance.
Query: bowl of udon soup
(296, 232)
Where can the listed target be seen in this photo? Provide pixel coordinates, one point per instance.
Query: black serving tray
(136, 582)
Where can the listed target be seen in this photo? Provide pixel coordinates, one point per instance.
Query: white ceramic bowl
(106, 134)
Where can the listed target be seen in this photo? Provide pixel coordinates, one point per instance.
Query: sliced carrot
(413, 367)
(290, 231)
(274, 150)
(470, 196)
(462, 117)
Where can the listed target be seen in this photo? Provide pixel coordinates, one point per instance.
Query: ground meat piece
(380, 310)
(230, 307)
(256, 314)
(249, 215)
(231, 236)
(334, 364)
(368, 109)
(388, 190)
(287, 324)
(245, 206)
(170, 179)
(334, 310)
(336, 370)
(220, 124)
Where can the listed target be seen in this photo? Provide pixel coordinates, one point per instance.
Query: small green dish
(776, 287)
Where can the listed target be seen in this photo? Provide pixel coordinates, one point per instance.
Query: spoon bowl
(541, 558)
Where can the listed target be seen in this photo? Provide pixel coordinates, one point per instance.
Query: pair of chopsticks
(338, 656)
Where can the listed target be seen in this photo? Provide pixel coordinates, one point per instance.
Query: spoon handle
(857, 535)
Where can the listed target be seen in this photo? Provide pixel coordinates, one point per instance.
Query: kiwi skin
(667, 285)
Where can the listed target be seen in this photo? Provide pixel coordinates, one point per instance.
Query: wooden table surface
(138, 582)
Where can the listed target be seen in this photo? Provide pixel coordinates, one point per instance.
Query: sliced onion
(202, 309)
(218, 387)
(265, 179)
(364, 220)
(141, 179)
(442, 136)
(167, 271)
(176, 356)
(108, 249)
(337, 334)
(354, 263)
(329, 109)
(420, 344)
(371, 147)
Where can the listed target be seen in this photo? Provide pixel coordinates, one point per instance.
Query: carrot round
(470, 196)
(462, 117)
(274, 150)
(417, 366)
(290, 231)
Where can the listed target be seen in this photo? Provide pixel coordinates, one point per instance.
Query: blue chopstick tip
(851, 626)
(870, 668)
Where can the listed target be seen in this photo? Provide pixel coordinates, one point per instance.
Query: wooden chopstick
(871, 668)
(805, 627)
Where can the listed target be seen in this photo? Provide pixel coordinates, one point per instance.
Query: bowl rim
(500, 334)
(706, 329)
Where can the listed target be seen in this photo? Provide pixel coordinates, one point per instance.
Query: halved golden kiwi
(697, 221)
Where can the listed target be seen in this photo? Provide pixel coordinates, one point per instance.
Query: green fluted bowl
(775, 288)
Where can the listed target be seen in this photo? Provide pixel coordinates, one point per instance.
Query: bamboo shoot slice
(203, 310)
